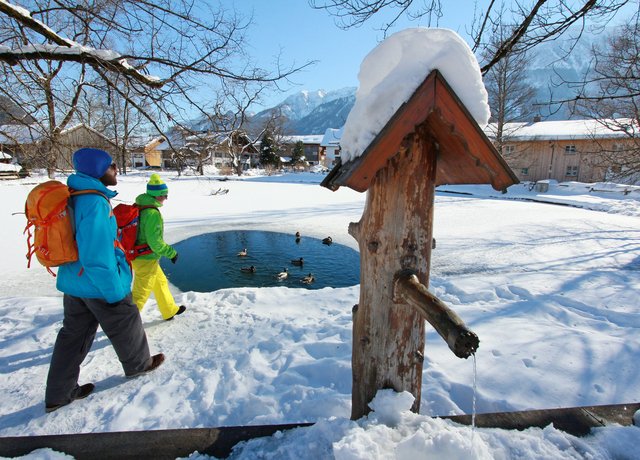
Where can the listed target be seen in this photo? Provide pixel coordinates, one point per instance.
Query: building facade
(330, 146)
(311, 145)
(570, 150)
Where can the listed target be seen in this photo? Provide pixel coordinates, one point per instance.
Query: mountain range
(311, 112)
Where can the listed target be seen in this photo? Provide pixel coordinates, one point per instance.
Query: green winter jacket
(151, 229)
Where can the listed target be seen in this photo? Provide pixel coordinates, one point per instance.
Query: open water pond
(209, 262)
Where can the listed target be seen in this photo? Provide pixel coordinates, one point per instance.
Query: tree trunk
(123, 157)
(394, 233)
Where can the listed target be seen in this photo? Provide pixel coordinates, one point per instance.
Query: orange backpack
(47, 211)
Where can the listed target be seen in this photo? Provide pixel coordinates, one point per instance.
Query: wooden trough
(219, 442)
(430, 140)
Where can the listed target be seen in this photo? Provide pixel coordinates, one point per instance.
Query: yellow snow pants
(148, 278)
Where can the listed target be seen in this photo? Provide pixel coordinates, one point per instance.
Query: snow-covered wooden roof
(465, 154)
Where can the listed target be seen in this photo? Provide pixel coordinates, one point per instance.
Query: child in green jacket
(148, 275)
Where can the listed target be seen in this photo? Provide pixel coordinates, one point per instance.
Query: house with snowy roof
(569, 150)
(15, 137)
(330, 146)
(144, 151)
(32, 148)
(75, 137)
(208, 148)
(311, 144)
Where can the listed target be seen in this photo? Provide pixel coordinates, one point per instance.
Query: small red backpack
(128, 218)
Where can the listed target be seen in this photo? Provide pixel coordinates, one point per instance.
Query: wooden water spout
(430, 140)
(407, 288)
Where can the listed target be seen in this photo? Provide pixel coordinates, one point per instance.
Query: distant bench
(9, 175)
(624, 191)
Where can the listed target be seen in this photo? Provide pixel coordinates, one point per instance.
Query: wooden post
(431, 139)
(394, 233)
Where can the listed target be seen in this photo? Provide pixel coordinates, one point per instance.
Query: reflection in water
(209, 262)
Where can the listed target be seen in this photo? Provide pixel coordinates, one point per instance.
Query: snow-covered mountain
(303, 103)
(11, 113)
(331, 114)
(305, 112)
(554, 66)
(312, 112)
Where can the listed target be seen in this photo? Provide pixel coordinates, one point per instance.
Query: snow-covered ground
(552, 292)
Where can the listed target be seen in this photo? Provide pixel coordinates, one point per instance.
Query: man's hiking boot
(156, 360)
(181, 310)
(82, 392)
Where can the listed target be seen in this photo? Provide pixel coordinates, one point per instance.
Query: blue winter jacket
(102, 271)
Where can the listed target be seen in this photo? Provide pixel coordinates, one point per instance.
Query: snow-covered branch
(166, 41)
(534, 21)
(106, 59)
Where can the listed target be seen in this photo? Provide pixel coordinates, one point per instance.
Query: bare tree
(114, 116)
(354, 13)
(222, 126)
(511, 97)
(230, 129)
(536, 21)
(43, 89)
(166, 49)
(610, 94)
(512, 102)
(240, 96)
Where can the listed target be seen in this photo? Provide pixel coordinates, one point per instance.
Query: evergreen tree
(297, 156)
(268, 155)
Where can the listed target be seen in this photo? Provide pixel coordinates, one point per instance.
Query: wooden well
(431, 140)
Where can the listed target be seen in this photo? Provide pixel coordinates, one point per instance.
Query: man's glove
(174, 258)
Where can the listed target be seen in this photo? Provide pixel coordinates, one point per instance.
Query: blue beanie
(92, 162)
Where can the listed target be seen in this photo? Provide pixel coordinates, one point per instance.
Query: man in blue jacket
(97, 288)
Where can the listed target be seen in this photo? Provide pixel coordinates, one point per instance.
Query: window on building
(570, 149)
(572, 171)
(524, 171)
(509, 149)
(618, 147)
(138, 161)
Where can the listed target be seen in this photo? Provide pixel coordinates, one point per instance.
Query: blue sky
(302, 34)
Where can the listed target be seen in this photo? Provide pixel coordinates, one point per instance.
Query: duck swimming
(308, 279)
(242, 253)
(299, 262)
(282, 275)
(250, 269)
(297, 237)
(327, 240)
